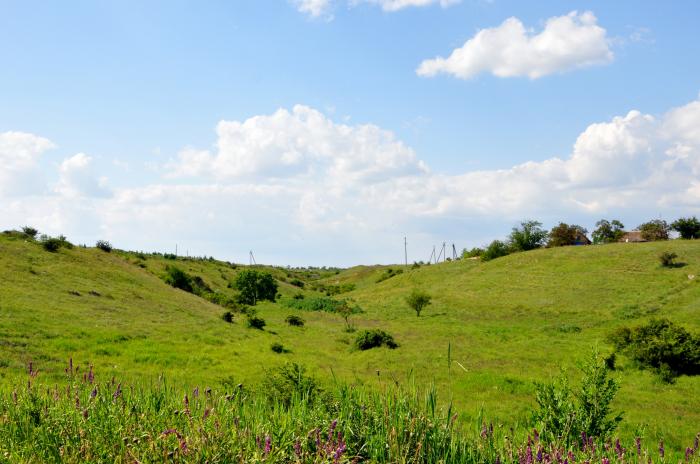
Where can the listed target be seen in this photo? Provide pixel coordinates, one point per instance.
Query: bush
(104, 245)
(51, 244)
(295, 321)
(688, 228)
(176, 277)
(388, 274)
(495, 250)
(297, 283)
(320, 303)
(418, 300)
(278, 348)
(30, 232)
(375, 338)
(563, 415)
(473, 253)
(255, 286)
(668, 259)
(660, 345)
(255, 322)
(227, 317)
(287, 381)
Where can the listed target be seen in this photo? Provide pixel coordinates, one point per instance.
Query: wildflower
(528, 456)
(85, 413)
(297, 448)
(14, 396)
(93, 393)
(584, 439)
(661, 449)
(605, 461)
(539, 454)
(206, 413)
(688, 453)
(91, 375)
(638, 442)
(70, 366)
(537, 435)
(697, 439)
(118, 392)
(268, 445)
(195, 392)
(498, 459)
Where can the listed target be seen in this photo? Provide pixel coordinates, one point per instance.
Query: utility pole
(405, 251)
(176, 249)
(251, 258)
(432, 255)
(454, 252)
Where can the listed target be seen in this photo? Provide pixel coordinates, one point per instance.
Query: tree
(496, 249)
(688, 227)
(418, 300)
(565, 235)
(345, 311)
(528, 236)
(654, 230)
(608, 231)
(255, 286)
(30, 232)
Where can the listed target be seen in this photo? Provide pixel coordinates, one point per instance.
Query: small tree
(104, 245)
(496, 249)
(345, 311)
(608, 231)
(688, 228)
(418, 300)
(255, 286)
(668, 259)
(654, 230)
(528, 236)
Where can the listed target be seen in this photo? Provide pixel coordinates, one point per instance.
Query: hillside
(508, 322)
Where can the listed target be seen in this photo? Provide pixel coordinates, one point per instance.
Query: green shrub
(389, 273)
(227, 316)
(176, 277)
(562, 415)
(255, 322)
(295, 321)
(668, 259)
(30, 232)
(473, 253)
(290, 380)
(654, 230)
(374, 338)
(660, 345)
(297, 283)
(688, 228)
(104, 245)
(320, 303)
(278, 348)
(51, 244)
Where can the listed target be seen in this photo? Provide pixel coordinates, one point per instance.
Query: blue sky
(102, 105)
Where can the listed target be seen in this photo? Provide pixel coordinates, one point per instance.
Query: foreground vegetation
(491, 332)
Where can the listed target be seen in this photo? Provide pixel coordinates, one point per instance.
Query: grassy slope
(508, 322)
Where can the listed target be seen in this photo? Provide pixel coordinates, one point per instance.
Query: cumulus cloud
(19, 157)
(315, 8)
(295, 183)
(396, 5)
(511, 50)
(78, 179)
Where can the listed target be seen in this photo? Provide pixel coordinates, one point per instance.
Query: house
(633, 236)
(581, 239)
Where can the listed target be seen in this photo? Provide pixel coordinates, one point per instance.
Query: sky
(323, 132)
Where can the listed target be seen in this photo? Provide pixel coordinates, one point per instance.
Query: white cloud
(510, 50)
(78, 179)
(294, 185)
(396, 5)
(19, 156)
(315, 8)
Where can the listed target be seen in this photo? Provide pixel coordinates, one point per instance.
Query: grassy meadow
(492, 330)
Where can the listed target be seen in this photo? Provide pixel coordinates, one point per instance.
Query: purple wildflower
(539, 454)
(268, 445)
(334, 424)
(91, 375)
(534, 432)
(688, 453)
(70, 366)
(85, 413)
(118, 392)
(297, 448)
(605, 461)
(584, 439)
(528, 455)
(93, 393)
(638, 442)
(207, 411)
(195, 392)
(661, 449)
(697, 444)
(498, 459)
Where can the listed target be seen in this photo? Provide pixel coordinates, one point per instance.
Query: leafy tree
(473, 253)
(565, 235)
(528, 236)
(345, 311)
(688, 227)
(496, 249)
(418, 300)
(608, 231)
(654, 230)
(255, 286)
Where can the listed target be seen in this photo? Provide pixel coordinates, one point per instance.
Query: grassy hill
(508, 323)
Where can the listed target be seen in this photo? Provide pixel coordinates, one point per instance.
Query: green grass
(508, 323)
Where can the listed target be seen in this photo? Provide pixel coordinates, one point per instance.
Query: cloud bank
(511, 50)
(303, 188)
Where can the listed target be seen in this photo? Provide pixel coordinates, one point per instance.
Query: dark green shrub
(297, 283)
(178, 278)
(389, 273)
(298, 296)
(418, 300)
(287, 381)
(227, 317)
(320, 303)
(51, 244)
(473, 253)
(374, 338)
(255, 322)
(104, 245)
(668, 259)
(563, 415)
(661, 345)
(30, 232)
(255, 286)
(496, 249)
(278, 348)
(294, 321)
(170, 256)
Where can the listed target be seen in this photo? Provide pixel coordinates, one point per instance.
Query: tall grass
(86, 420)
